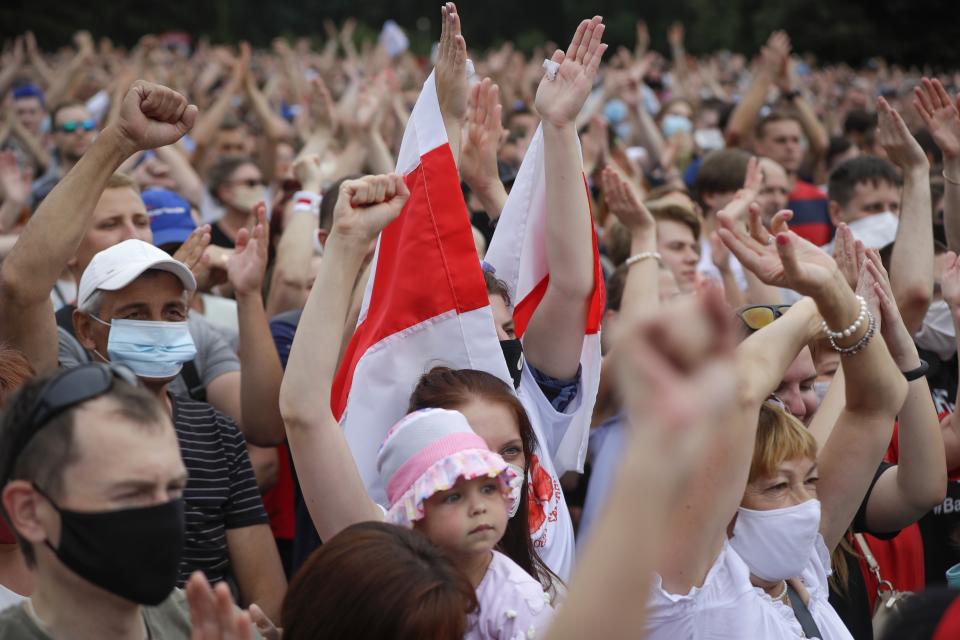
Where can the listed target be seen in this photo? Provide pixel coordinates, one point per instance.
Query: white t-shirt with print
(550, 524)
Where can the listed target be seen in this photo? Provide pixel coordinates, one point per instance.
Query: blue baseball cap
(170, 218)
(28, 91)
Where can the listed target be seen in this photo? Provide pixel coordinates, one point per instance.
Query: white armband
(307, 202)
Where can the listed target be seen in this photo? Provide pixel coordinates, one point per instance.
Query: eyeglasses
(73, 125)
(252, 183)
(68, 389)
(757, 316)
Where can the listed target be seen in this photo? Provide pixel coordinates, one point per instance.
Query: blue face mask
(673, 123)
(615, 111)
(150, 349)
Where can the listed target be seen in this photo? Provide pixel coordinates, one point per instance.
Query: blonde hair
(780, 437)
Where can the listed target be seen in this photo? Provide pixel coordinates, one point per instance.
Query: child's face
(467, 519)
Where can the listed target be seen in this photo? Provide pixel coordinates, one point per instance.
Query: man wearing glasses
(73, 132)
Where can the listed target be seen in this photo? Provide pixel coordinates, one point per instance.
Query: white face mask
(820, 388)
(246, 198)
(937, 333)
(515, 488)
(777, 544)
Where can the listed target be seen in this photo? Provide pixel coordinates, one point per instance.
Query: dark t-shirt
(852, 604)
(219, 238)
(221, 491)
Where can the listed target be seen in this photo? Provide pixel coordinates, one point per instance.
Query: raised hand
(892, 134)
(213, 615)
(306, 169)
(153, 116)
(451, 68)
(892, 327)
(665, 370)
(940, 115)
(366, 206)
(245, 268)
(265, 625)
(736, 210)
(950, 281)
(849, 254)
(624, 202)
(14, 181)
(675, 35)
(560, 99)
(478, 160)
(193, 250)
(785, 260)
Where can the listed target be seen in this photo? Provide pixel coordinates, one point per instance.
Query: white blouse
(729, 606)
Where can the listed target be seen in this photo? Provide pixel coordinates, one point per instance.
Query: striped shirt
(221, 490)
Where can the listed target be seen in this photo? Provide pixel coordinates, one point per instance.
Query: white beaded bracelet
(852, 329)
(634, 259)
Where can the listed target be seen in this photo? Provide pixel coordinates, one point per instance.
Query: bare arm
(256, 566)
(745, 114)
(214, 115)
(950, 427)
(54, 232)
(450, 75)
(33, 146)
(554, 338)
(291, 271)
(66, 77)
(332, 487)
(911, 264)
(478, 162)
(189, 184)
(260, 368)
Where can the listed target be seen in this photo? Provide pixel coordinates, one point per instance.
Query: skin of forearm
(641, 293)
(33, 267)
(911, 263)
(34, 148)
(261, 374)
(188, 182)
(292, 268)
(951, 202)
(568, 228)
(921, 472)
(492, 198)
(816, 133)
(379, 158)
(745, 113)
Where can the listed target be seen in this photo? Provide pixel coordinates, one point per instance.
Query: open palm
(940, 115)
(245, 268)
(559, 100)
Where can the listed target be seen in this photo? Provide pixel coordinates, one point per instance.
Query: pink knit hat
(427, 452)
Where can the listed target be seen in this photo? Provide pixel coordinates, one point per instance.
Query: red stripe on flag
(524, 309)
(427, 265)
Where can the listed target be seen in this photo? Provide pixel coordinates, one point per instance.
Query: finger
(593, 44)
(926, 96)
(860, 251)
(918, 107)
(401, 186)
(188, 119)
(941, 93)
(786, 248)
(577, 38)
(745, 254)
(757, 231)
(779, 223)
(226, 614)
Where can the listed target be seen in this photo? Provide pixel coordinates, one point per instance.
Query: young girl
(440, 476)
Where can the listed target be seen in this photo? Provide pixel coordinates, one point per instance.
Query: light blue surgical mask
(151, 349)
(615, 111)
(673, 123)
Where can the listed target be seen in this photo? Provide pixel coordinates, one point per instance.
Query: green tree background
(914, 32)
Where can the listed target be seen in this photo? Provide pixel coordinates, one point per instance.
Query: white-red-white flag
(425, 304)
(518, 253)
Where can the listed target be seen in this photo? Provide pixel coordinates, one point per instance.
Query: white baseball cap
(114, 268)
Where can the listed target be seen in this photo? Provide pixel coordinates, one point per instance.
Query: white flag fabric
(518, 254)
(425, 304)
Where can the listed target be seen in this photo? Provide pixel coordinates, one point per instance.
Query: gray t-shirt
(214, 356)
(169, 620)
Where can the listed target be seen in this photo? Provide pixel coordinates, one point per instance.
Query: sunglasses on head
(73, 125)
(757, 316)
(68, 389)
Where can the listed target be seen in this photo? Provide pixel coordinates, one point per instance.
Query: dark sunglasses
(68, 389)
(250, 182)
(757, 316)
(72, 125)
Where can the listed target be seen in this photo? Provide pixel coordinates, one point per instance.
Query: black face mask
(132, 553)
(513, 354)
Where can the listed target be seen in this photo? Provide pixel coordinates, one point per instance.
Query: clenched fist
(153, 116)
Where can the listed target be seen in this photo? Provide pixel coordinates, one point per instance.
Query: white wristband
(307, 202)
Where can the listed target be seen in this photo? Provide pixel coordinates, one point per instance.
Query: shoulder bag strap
(804, 617)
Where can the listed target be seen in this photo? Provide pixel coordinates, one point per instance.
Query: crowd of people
(354, 343)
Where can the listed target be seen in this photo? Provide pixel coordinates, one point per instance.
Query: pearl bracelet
(852, 329)
(634, 259)
(861, 343)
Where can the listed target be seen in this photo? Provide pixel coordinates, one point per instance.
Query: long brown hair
(446, 388)
(376, 580)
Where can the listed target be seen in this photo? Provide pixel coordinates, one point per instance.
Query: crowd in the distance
(261, 377)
